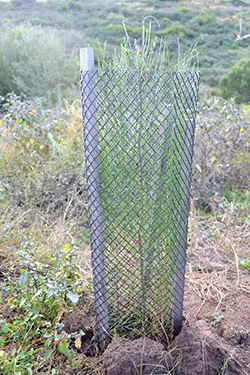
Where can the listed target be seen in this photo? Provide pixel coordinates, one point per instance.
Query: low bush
(176, 30)
(66, 5)
(184, 10)
(18, 3)
(118, 29)
(40, 287)
(221, 150)
(203, 19)
(237, 82)
(32, 65)
(41, 156)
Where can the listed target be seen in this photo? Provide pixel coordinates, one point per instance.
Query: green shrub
(181, 14)
(166, 20)
(71, 5)
(5, 75)
(206, 61)
(175, 16)
(237, 82)
(41, 160)
(177, 30)
(65, 5)
(183, 10)
(221, 157)
(204, 19)
(44, 286)
(18, 3)
(36, 66)
(119, 30)
(239, 3)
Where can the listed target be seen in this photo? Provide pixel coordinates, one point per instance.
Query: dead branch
(239, 37)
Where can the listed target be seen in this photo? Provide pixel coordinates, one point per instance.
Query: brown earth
(197, 350)
(141, 356)
(215, 338)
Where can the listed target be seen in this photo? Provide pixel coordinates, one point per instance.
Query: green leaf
(35, 310)
(23, 300)
(5, 328)
(244, 263)
(242, 260)
(66, 248)
(48, 353)
(23, 279)
(74, 298)
(63, 347)
(3, 354)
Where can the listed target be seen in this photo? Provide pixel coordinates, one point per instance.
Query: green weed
(214, 317)
(245, 264)
(46, 287)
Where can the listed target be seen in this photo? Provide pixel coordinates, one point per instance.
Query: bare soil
(215, 338)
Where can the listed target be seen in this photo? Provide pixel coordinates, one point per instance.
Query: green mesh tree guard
(139, 136)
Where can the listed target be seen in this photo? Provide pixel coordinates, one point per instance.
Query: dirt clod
(204, 352)
(141, 356)
(82, 320)
(197, 350)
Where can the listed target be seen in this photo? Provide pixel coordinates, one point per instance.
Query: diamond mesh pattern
(138, 135)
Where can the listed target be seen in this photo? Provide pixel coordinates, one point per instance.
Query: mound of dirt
(141, 356)
(204, 352)
(197, 350)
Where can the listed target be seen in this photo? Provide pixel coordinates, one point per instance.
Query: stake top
(87, 59)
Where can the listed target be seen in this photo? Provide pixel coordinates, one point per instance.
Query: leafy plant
(48, 286)
(176, 30)
(35, 66)
(237, 82)
(221, 149)
(41, 155)
(204, 19)
(214, 317)
(245, 264)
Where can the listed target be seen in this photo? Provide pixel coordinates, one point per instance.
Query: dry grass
(217, 243)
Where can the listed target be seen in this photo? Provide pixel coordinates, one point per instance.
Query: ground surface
(218, 292)
(215, 338)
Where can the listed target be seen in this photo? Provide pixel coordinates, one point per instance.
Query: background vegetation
(51, 63)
